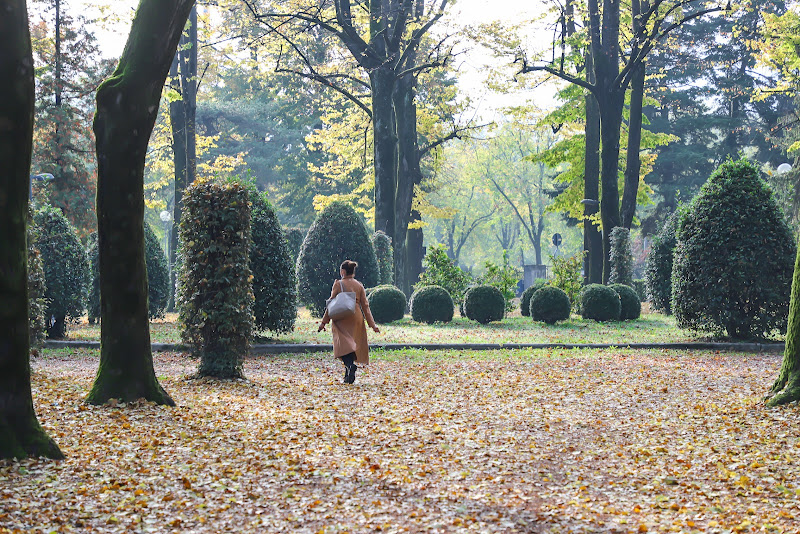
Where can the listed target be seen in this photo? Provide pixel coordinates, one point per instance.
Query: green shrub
(273, 268)
(157, 275)
(37, 288)
(630, 305)
(338, 234)
(384, 252)
(640, 288)
(387, 303)
(658, 271)
(621, 257)
(214, 296)
(430, 304)
(504, 277)
(294, 241)
(93, 303)
(66, 269)
(734, 257)
(549, 304)
(484, 304)
(525, 300)
(441, 271)
(600, 303)
(567, 275)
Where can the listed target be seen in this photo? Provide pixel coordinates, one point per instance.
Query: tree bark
(610, 122)
(382, 82)
(592, 238)
(633, 161)
(127, 105)
(20, 432)
(409, 171)
(786, 388)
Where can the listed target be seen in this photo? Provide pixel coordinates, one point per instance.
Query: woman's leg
(349, 362)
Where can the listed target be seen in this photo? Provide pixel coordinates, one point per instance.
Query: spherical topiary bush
(273, 267)
(734, 257)
(157, 274)
(387, 304)
(384, 252)
(484, 304)
(525, 299)
(66, 269)
(658, 271)
(630, 305)
(430, 304)
(549, 304)
(338, 234)
(600, 303)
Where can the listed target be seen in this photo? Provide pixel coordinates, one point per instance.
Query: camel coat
(350, 333)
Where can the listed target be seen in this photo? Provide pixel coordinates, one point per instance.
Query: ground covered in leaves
(525, 441)
(650, 328)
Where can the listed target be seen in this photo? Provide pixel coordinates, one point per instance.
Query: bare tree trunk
(20, 432)
(127, 105)
(382, 82)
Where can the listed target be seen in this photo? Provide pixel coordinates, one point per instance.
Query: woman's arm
(366, 310)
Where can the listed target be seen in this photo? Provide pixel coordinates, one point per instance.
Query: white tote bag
(342, 305)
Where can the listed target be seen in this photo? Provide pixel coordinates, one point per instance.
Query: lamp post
(42, 177)
(166, 218)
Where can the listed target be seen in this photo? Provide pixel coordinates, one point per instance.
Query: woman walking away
(349, 333)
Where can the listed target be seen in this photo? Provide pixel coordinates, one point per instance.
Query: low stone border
(284, 348)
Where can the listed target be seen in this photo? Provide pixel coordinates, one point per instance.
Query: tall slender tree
(20, 432)
(127, 105)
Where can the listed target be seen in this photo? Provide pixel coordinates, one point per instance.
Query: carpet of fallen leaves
(527, 441)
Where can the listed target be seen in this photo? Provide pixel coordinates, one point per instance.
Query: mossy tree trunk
(786, 388)
(127, 105)
(20, 433)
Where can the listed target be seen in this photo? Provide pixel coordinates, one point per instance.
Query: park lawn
(650, 328)
(494, 441)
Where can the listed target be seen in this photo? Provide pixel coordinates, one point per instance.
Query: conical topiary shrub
(734, 257)
(658, 272)
(273, 268)
(66, 269)
(384, 252)
(338, 234)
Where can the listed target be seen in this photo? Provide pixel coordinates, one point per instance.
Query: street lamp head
(783, 168)
(165, 216)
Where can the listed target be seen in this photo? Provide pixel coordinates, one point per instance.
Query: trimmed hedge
(550, 305)
(525, 299)
(338, 234)
(600, 303)
(658, 271)
(215, 297)
(734, 257)
(294, 241)
(66, 269)
(430, 304)
(37, 288)
(273, 268)
(484, 304)
(621, 257)
(157, 275)
(384, 253)
(387, 304)
(630, 305)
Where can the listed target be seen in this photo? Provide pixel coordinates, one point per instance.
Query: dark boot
(349, 362)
